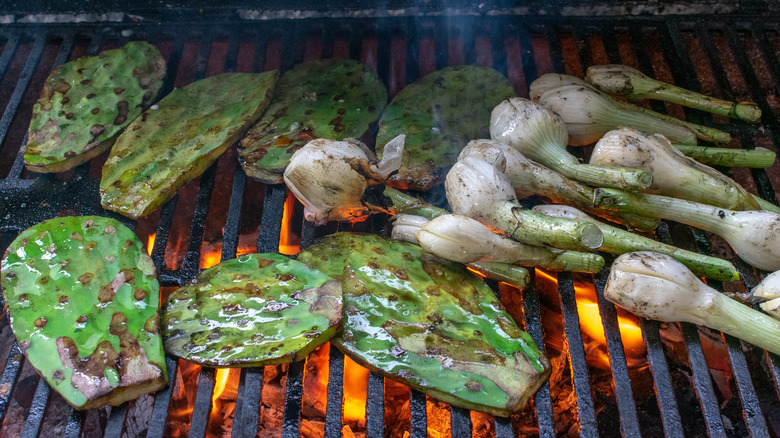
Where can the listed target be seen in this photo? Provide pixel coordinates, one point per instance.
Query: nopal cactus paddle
(179, 138)
(439, 114)
(258, 309)
(82, 297)
(85, 103)
(328, 98)
(428, 323)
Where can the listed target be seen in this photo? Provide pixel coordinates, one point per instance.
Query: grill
(686, 381)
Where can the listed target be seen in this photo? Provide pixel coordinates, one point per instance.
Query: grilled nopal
(428, 323)
(175, 141)
(439, 114)
(329, 98)
(85, 103)
(258, 309)
(82, 297)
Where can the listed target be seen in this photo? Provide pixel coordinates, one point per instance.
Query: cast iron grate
(684, 49)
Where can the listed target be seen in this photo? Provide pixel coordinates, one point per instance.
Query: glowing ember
(289, 243)
(355, 392)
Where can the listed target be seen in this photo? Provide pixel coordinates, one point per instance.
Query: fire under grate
(696, 382)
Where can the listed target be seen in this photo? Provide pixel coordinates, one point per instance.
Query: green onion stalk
(541, 135)
(618, 241)
(465, 240)
(589, 114)
(529, 178)
(674, 174)
(656, 286)
(629, 83)
(758, 158)
(478, 190)
(754, 235)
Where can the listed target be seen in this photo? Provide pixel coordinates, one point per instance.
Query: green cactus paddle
(85, 103)
(179, 138)
(439, 114)
(258, 309)
(428, 323)
(82, 297)
(328, 98)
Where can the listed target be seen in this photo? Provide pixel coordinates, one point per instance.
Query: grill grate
(686, 50)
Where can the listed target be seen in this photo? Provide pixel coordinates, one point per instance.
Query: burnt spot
(721, 214)
(139, 294)
(70, 116)
(91, 95)
(58, 375)
(106, 294)
(85, 82)
(285, 277)
(82, 319)
(63, 299)
(95, 110)
(44, 280)
(122, 108)
(40, 322)
(118, 90)
(473, 386)
(86, 278)
(96, 131)
(263, 263)
(65, 100)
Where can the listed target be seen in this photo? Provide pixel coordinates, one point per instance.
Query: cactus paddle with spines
(178, 139)
(428, 323)
(439, 114)
(82, 297)
(329, 98)
(258, 309)
(85, 103)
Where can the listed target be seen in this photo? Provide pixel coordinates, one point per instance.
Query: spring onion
(590, 113)
(656, 286)
(674, 174)
(619, 241)
(754, 235)
(624, 81)
(465, 240)
(530, 178)
(542, 135)
(478, 190)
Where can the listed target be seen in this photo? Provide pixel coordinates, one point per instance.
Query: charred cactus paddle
(624, 81)
(82, 296)
(619, 241)
(428, 323)
(258, 309)
(328, 98)
(542, 135)
(179, 138)
(674, 174)
(439, 114)
(85, 103)
(656, 286)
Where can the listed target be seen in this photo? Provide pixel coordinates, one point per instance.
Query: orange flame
(355, 391)
(590, 321)
(220, 383)
(210, 258)
(150, 243)
(289, 244)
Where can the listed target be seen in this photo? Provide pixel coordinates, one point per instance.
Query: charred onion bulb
(478, 190)
(754, 235)
(674, 174)
(656, 286)
(541, 135)
(589, 114)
